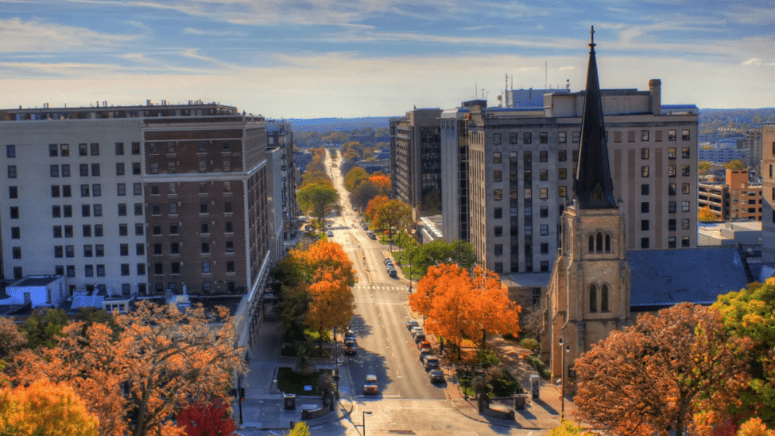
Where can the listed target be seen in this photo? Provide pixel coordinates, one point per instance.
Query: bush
(529, 343)
(506, 385)
(540, 366)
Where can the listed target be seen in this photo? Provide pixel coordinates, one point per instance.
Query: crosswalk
(380, 287)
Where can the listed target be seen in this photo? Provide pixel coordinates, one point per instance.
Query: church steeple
(593, 187)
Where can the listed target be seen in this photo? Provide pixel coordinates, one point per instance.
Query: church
(596, 286)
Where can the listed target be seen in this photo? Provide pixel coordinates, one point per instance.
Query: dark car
(350, 347)
(349, 336)
(393, 274)
(419, 338)
(437, 376)
(431, 362)
(412, 323)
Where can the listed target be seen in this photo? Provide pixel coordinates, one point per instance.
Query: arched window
(604, 298)
(591, 244)
(607, 243)
(599, 247)
(593, 298)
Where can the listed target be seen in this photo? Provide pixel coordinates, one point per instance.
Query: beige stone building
(733, 199)
(768, 192)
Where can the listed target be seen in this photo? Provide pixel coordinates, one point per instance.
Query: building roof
(527, 280)
(593, 187)
(35, 281)
(699, 275)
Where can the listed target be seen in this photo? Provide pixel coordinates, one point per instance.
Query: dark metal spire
(593, 187)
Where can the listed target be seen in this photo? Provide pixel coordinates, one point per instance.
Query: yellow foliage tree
(704, 215)
(45, 408)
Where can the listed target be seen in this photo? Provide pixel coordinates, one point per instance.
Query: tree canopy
(735, 164)
(439, 251)
(705, 215)
(318, 200)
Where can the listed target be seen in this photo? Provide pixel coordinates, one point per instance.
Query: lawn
(293, 382)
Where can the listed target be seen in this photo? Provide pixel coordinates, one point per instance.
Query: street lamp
(563, 350)
(364, 421)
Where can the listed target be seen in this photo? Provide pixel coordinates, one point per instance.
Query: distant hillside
(337, 124)
(717, 124)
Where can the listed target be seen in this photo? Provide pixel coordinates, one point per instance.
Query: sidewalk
(263, 406)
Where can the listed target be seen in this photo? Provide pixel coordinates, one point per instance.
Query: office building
(753, 147)
(768, 193)
(733, 199)
(136, 199)
(723, 155)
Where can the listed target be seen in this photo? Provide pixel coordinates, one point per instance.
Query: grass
(293, 382)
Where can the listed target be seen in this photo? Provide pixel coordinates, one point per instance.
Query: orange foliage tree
(459, 305)
(650, 377)
(11, 339)
(382, 182)
(159, 357)
(45, 408)
(374, 206)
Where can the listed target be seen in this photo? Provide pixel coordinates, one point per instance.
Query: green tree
(735, 164)
(394, 214)
(439, 251)
(318, 200)
(568, 428)
(704, 166)
(363, 194)
(355, 177)
(44, 327)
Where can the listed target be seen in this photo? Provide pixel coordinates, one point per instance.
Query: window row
(67, 231)
(672, 135)
(174, 268)
(120, 148)
(201, 146)
(174, 248)
(527, 138)
(671, 242)
(121, 169)
(671, 171)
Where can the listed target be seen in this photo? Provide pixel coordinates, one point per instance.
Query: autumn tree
(318, 200)
(705, 215)
(735, 164)
(381, 182)
(395, 214)
(568, 428)
(161, 357)
(11, 339)
(704, 166)
(364, 193)
(648, 378)
(373, 208)
(457, 304)
(300, 429)
(355, 177)
(207, 419)
(43, 327)
(45, 408)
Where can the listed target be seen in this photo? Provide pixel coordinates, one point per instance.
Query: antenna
(506, 92)
(546, 74)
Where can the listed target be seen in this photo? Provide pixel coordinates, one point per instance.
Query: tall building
(522, 160)
(733, 199)
(282, 186)
(753, 146)
(136, 199)
(415, 160)
(768, 192)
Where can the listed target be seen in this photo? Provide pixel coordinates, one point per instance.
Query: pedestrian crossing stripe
(378, 287)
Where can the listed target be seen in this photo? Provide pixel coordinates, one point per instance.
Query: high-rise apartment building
(732, 199)
(415, 160)
(753, 144)
(521, 168)
(136, 199)
(768, 192)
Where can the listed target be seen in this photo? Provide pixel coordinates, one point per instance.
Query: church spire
(593, 187)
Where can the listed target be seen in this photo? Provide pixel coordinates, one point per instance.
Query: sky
(353, 58)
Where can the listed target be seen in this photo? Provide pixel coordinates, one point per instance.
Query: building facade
(768, 192)
(522, 163)
(753, 146)
(723, 155)
(734, 199)
(136, 199)
(415, 160)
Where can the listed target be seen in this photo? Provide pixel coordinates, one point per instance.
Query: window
(671, 153)
(135, 148)
(593, 298)
(671, 135)
(121, 189)
(11, 171)
(95, 170)
(512, 138)
(684, 206)
(97, 208)
(498, 231)
(13, 191)
(671, 242)
(576, 137)
(644, 153)
(87, 230)
(66, 170)
(173, 228)
(604, 298)
(85, 210)
(122, 209)
(671, 206)
(229, 227)
(154, 168)
(227, 207)
(120, 169)
(607, 243)
(685, 188)
(562, 156)
(16, 233)
(644, 242)
(230, 266)
(67, 211)
(10, 151)
(64, 150)
(136, 170)
(54, 170)
(498, 267)
(59, 251)
(671, 189)
(137, 188)
(496, 138)
(84, 169)
(497, 194)
(685, 153)
(644, 135)
(685, 224)
(140, 269)
(543, 138)
(174, 248)
(497, 176)
(206, 267)
(139, 229)
(153, 148)
(56, 211)
(496, 157)
(175, 268)
(685, 136)
(89, 270)
(119, 149)
(69, 251)
(122, 230)
(644, 207)
(14, 212)
(644, 225)
(229, 246)
(671, 170)
(96, 190)
(17, 252)
(685, 242)
(204, 228)
(562, 137)
(544, 229)
(684, 170)
(543, 175)
(95, 149)
(498, 212)
(158, 269)
(140, 249)
(70, 270)
(205, 248)
(498, 249)
(124, 249)
(644, 171)
(563, 191)
(544, 193)
(527, 138)
(544, 211)
(55, 191)
(644, 189)
(83, 150)
(84, 190)
(544, 248)
(563, 173)
(138, 209)
(155, 209)
(87, 251)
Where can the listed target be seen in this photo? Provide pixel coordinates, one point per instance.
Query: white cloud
(203, 32)
(752, 61)
(34, 36)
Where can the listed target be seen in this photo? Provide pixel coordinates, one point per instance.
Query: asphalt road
(386, 348)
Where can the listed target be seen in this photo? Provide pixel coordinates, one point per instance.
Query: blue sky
(327, 58)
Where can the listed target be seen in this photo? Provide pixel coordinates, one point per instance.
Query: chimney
(655, 88)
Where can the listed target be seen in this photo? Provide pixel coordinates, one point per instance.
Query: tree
(381, 182)
(45, 408)
(490, 308)
(439, 251)
(160, 357)
(394, 214)
(649, 378)
(318, 200)
(300, 429)
(207, 419)
(704, 166)
(373, 208)
(568, 428)
(355, 177)
(43, 327)
(735, 164)
(363, 194)
(705, 215)
(11, 339)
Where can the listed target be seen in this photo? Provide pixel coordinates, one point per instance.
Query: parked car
(370, 386)
(437, 376)
(349, 336)
(387, 261)
(412, 323)
(350, 347)
(431, 362)
(372, 235)
(393, 274)
(419, 337)
(424, 354)
(424, 345)
(416, 331)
